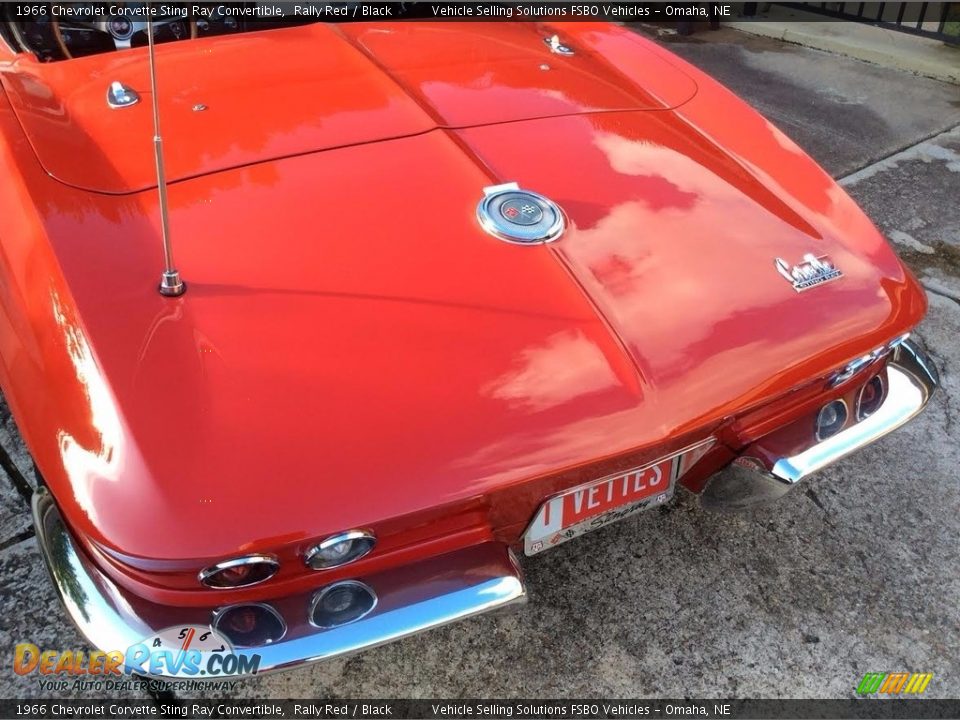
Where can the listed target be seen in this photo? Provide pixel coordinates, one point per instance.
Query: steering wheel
(121, 30)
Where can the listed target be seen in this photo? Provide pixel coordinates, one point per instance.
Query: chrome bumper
(758, 477)
(411, 599)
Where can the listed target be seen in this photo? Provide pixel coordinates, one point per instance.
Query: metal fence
(940, 20)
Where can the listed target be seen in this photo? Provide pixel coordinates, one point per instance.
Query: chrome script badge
(811, 272)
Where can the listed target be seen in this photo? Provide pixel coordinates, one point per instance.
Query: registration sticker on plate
(601, 502)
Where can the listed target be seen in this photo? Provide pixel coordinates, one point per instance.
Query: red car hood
(352, 346)
(344, 355)
(322, 86)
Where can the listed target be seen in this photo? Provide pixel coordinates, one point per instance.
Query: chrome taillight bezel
(858, 411)
(325, 591)
(221, 613)
(365, 538)
(846, 418)
(206, 575)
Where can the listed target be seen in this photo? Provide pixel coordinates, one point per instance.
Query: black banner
(513, 709)
(285, 11)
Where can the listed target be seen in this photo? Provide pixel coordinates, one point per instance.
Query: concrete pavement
(845, 113)
(889, 48)
(857, 571)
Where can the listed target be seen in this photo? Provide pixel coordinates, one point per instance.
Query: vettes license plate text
(601, 502)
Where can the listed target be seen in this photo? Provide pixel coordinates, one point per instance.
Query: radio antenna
(170, 283)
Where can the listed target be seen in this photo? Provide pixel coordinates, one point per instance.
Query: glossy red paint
(326, 86)
(353, 350)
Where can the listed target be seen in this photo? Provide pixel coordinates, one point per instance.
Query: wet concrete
(845, 113)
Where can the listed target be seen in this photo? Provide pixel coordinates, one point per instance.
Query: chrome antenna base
(171, 285)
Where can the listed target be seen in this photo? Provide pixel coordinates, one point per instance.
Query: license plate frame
(550, 527)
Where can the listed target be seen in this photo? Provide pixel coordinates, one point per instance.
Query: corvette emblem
(811, 272)
(519, 216)
(521, 213)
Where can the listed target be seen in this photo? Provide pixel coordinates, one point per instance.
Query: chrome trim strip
(911, 380)
(413, 598)
(338, 538)
(855, 366)
(209, 572)
(92, 601)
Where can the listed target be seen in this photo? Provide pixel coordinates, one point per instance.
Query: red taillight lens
(250, 625)
(237, 575)
(242, 620)
(240, 572)
(871, 397)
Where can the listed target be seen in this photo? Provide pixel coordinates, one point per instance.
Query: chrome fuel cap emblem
(120, 95)
(556, 46)
(519, 216)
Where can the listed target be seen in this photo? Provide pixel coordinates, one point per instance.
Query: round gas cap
(519, 216)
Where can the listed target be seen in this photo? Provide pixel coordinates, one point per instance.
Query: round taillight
(871, 397)
(240, 572)
(831, 419)
(339, 550)
(341, 603)
(249, 625)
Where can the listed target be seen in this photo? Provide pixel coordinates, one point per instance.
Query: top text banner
(346, 11)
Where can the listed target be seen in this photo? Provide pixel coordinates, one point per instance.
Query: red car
(452, 291)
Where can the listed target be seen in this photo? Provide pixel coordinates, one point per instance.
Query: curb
(922, 56)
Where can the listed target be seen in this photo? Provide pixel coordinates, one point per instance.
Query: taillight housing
(341, 549)
(831, 419)
(341, 603)
(249, 625)
(240, 572)
(871, 397)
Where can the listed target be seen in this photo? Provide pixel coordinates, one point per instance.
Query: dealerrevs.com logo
(187, 651)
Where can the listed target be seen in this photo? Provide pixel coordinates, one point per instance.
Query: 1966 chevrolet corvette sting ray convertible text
(453, 291)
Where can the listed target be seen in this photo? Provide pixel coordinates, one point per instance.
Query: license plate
(601, 502)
